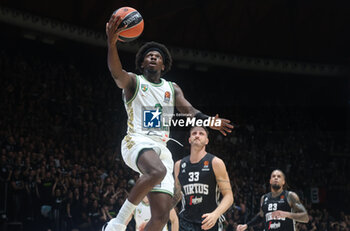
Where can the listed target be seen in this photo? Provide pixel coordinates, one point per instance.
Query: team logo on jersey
(152, 118)
(183, 165)
(144, 87)
(206, 166)
(167, 97)
(281, 199)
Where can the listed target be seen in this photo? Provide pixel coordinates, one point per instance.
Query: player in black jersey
(202, 176)
(279, 209)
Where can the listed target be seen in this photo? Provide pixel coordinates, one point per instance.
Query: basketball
(133, 21)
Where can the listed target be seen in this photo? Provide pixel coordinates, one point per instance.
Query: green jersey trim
(136, 91)
(172, 90)
(154, 84)
(163, 191)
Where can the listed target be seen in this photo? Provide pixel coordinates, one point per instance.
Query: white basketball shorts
(132, 144)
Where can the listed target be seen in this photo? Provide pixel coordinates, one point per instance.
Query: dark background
(290, 29)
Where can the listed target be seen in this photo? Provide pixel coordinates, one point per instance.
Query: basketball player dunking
(279, 208)
(145, 150)
(202, 177)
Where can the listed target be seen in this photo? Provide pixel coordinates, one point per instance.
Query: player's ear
(163, 67)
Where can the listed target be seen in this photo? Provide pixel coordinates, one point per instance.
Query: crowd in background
(60, 132)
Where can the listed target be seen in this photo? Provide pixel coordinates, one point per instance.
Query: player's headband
(154, 49)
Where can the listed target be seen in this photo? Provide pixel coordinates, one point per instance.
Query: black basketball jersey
(200, 190)
(271, 204)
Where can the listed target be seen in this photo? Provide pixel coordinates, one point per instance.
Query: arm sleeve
(257, 219)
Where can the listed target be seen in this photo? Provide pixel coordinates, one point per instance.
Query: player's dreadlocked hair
(149, 46)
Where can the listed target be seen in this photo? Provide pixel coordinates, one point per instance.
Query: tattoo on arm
(295, 203)
(299, 212)
(177, 194)
(224, 184)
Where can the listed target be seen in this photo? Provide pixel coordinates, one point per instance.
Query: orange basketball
(133, 21)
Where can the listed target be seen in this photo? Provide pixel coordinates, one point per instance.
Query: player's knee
(165, 217)
(158, 174)
(161, 218)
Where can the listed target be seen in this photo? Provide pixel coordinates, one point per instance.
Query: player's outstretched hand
(112, 30)
(241, 227)
(225, 126)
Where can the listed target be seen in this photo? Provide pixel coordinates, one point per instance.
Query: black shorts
(189, 226)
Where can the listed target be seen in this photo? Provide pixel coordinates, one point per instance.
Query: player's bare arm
(124, 80)
(258, 218)
(174, 220)
(185, 107)
(224, 184)
(177, 192)
(298, 213)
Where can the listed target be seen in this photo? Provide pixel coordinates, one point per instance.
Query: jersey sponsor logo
(269, 217)
(274, 225)
(195, 200)
(167, 97)
(196, 188)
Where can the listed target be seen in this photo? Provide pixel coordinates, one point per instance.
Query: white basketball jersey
(151, 107)
(143, 214)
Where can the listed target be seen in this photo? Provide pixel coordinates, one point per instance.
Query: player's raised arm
(122, 78)
(185, 107)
